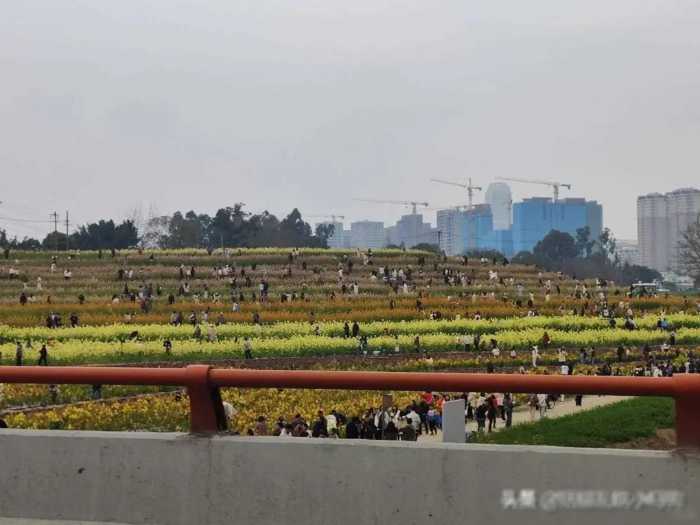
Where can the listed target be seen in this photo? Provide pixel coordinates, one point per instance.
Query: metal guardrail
(207, 413)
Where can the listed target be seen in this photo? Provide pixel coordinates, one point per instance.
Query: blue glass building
(534, 218)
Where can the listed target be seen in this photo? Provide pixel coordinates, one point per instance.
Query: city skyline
(389, 218)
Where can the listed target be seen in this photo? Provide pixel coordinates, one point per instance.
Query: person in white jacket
(415, 420)
(542, 402)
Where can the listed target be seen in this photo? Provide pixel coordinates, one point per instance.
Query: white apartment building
(628, 251)
(683, 209)
(661, 222)
(450, 224)
(367, 234)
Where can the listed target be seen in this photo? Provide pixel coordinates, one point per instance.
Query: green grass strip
(599, 427)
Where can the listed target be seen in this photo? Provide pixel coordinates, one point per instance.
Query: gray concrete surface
(175, 479)
(20, 521)
(453, 428)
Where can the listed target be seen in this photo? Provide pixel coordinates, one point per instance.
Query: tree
(230, 228)
(263, 229)
(294, 230)
(556, 247)
(126, 235)
(155, 232)
(607, 246)
(323, 233)
(54, 241)
(105, 234)
(690, 251)
(584, 244)
(27, 243)
(188, 231)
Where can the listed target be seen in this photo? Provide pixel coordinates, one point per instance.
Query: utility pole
(67, 246)
(54, 216)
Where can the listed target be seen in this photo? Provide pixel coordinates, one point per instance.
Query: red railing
(207, 414)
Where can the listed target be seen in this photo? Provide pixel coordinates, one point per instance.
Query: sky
(107, 108)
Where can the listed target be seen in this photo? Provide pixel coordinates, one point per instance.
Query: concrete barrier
(176, 479)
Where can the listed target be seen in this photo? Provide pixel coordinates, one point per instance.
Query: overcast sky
(106, 106)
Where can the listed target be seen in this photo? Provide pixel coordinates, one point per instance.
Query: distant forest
(231, 226)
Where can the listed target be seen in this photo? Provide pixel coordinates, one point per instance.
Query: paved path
(521, 414)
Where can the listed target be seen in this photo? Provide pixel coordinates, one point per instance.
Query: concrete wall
(174, 479)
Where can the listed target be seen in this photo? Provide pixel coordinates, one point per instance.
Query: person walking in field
(43, 356)
(480, 416)
(355, 329)
(19, 354)
(416, 344)
(491, 412)
(211, 333)
(247, 348)
(546, 340)
(532, 405)
(508, 405)
(535, 354)
(542, 404)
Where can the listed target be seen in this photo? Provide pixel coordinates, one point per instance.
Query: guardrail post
(206, 409)
(688, 421)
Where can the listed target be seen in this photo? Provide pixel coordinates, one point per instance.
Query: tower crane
(413, 204)
(469, 187)
(457, 207)
(555, 185)
(331, 217)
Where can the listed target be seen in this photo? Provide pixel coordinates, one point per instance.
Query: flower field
(104, 352)
(414, 311)
(170, 413)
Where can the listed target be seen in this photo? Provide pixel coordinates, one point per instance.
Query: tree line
(585, 257)
(229, 227)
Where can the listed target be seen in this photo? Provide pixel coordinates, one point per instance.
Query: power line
(15, 219)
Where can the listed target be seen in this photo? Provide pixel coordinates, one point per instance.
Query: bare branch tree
(690, 250)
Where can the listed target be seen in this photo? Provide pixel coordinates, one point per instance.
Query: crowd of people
(423, 417)
(388, 422)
